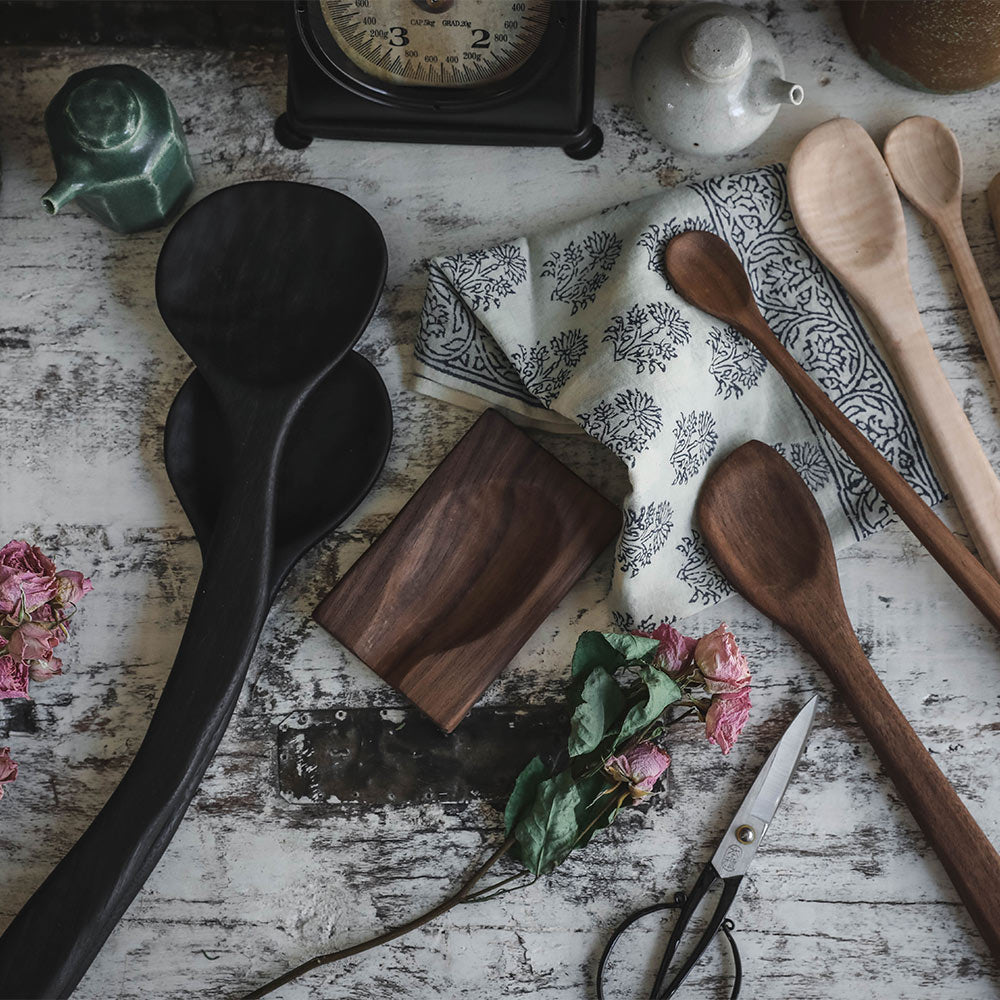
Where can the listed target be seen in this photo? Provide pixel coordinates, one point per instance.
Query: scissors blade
(739, 845)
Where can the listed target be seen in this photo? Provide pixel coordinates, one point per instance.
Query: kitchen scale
(496, 72)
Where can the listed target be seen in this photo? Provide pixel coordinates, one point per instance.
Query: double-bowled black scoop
(267, 285)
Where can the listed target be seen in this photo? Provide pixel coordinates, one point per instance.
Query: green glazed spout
(119, 149)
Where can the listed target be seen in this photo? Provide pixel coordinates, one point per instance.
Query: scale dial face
(437, 43)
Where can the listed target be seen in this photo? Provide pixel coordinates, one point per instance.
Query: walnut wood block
(470, 567)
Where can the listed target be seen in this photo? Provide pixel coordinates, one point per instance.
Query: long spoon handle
(78, 905)
(977, 298)
(963, 567)
(968, 857)
(945, 429)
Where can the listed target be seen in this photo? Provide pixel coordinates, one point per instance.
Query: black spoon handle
(78, 905)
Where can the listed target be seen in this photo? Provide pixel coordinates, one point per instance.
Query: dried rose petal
(674, 654)
(32, 641)
(726, 717)
(8, 769)
(720, 662)
(13, 678)
(25, 572)
(641, 767)
(72, 586)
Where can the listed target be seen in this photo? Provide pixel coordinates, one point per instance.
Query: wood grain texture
(926, 163)
(470, 567)
(765, 530)
(845, 898)
(849, 213)
(705, 270)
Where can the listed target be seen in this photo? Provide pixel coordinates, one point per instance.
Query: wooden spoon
(926, 164)
(847, 208)
(766, 531)
(266, 285)
(706, 272)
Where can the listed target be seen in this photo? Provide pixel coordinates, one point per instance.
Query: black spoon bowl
(336, 447)
(267, 285)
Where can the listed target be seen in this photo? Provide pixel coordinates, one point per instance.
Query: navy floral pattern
(626, 424)
(648, 336)
(736, 364)
(580, 269)
(546, 368)
(698, 571)
(645, 531)
(695, 439)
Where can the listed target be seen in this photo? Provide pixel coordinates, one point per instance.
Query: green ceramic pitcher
(119, 149)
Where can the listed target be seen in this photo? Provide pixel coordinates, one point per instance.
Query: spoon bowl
(923, 157)
(790, 567)
(337, 445)
(254, 299)
(846, 206)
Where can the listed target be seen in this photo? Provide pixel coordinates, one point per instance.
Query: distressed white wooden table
(845, 899)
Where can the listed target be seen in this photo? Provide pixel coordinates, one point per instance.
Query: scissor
(728, 864)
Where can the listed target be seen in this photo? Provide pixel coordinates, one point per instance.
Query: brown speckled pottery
(941, 46)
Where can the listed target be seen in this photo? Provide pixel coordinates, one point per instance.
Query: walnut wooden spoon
(706, 272)
(926, 164)
(767, 533)
(847, 208)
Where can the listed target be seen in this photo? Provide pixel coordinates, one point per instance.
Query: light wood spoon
(926, 164)
(767, 533)
(847, 208)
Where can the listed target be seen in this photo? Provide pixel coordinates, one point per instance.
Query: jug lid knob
(717, 48)
(103, 113)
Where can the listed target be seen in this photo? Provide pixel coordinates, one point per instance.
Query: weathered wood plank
(844, 898)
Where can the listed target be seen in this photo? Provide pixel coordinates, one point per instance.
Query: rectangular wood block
(469, 568)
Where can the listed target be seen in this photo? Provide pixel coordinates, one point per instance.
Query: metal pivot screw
(746, 834)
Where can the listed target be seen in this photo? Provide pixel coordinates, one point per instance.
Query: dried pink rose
(721, 663)
(13, 678)
(641, 767)
(25, 573)
(727, 715)
(8, 769)
(674, 654)
(71, 586)
(31, 641)
(42, 670)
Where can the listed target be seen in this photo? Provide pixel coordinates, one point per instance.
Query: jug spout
(60, 193)
(770, 90)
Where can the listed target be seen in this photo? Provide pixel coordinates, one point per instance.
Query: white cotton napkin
(578, 328)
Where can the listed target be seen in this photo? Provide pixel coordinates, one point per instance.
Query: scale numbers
(437, 43)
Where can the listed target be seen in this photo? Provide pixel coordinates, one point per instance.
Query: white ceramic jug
(709, 80)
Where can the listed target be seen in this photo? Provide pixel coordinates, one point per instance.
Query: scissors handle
(687, 906)
(709, 876)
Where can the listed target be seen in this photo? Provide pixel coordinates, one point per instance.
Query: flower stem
(336, 956)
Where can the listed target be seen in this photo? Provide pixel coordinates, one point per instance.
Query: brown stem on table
(336, 956)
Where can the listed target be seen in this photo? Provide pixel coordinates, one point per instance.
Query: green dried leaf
(600, 703)
(593, 650)
(631, 647)
(661, 691)
(597, 808)
(525, 789)
(547, 831)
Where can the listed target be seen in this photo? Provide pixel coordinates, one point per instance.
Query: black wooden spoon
(336, 448)
(266, 285)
